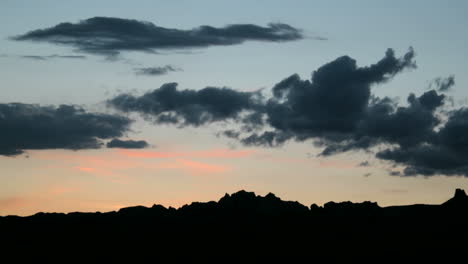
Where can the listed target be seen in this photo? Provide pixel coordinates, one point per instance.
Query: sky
(107, 104)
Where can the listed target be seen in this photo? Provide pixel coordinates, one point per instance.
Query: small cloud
(443, 84)
(53, 56)
(127, 144)
(34, 57)
(155, 71)
(67, 56)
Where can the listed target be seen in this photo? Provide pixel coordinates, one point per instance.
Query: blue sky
(362, 30)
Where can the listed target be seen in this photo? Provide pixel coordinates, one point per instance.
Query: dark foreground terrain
(244, 220)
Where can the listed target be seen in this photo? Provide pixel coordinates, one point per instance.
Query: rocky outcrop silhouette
(246, 204)
(460, 199)
(244, 218)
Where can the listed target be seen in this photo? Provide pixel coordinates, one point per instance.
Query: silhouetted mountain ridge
(246, 220)
(248, 203)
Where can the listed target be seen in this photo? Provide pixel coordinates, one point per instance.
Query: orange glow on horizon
(215, 153)
(198, 167)
(86, 169)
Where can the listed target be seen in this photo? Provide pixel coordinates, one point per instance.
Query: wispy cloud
(53, 56)
(43, 57)
(442, 84)
(156, 71)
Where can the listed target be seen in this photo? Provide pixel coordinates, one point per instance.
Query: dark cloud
(267, 138)
(155, 71)
(230, 134)
(414, 136)
(28, 126)
(53, 56)
(442, 84)
(446, 152)
(110, 36)
(331, 106)
(394, 173)
(335, 109)
(384, 122)
(128, 144)
(188, 107)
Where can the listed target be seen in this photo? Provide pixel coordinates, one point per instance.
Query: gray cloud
(53, 56)
(442, 84)
(188, 107)
(394, 173)
(128, 144)
(33, 57)
(331, 106)
(335, 109)
(384, 122)
(445, 152)
(109, 36)
(155, 71)
(32, 127)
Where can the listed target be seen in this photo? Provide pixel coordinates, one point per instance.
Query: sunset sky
(107, 104)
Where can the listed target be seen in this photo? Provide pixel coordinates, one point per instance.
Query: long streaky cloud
(109, 35)
(53, 56)
(44, 57)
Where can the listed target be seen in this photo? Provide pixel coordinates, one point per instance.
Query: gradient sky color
(193, 164)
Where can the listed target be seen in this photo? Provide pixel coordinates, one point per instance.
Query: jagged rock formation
(459, 199)
(244, 216)
(245, 203)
